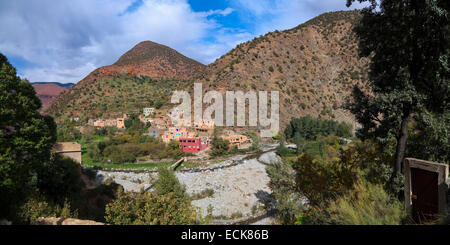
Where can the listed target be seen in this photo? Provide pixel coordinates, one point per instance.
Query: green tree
(220, 146)
(282, 183)
(67, 133)
(168, 183)
(26, 138)
(409, 46)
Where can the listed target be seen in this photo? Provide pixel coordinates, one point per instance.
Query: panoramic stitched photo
(228, 112)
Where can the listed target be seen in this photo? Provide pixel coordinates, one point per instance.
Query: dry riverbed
(238, 190)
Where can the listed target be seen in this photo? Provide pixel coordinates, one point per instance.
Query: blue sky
(63, 41)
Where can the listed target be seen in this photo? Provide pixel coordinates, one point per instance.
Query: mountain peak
(157, 60)
(144, 51)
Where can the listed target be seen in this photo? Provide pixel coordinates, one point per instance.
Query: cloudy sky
(63, 41)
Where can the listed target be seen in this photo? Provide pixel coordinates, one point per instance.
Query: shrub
(220, 146)
(367, 204)
(168, 183)
(288, 201)
(148, 208)
(36, 207)
(320, 181)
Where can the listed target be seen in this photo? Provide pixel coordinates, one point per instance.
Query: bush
(367, 204)
(168, 183)
(321, 181)
(288, 201)
(220, 147)
(148, 208)
(168, 205)
(36, 207)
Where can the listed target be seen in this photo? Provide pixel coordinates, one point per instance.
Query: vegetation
(219, 147)
(367, 204)
(67, 132)
(309, 128)
(168, 205)
(409, 72)
(26, 139)
(127, 148)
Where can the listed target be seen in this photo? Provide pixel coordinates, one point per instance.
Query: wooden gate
(424, 196)
(425, 189)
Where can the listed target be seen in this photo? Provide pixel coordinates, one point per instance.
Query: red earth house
(193, 145)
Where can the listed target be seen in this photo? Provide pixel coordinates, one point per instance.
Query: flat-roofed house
(176, 133)
(155, 132)
(99, 123)
(110, 123)
(120, 123)
(68, 149)
(193, 145)
(148, 111)
(236, 140)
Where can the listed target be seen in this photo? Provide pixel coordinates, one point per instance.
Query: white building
(149, 111)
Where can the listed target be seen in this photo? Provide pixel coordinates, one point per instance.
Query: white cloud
(269, 15)
(65, 40)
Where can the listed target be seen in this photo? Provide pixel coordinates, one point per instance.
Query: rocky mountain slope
(47, 92)
(314, 66)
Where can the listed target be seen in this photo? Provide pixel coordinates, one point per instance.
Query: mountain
(47, 92)
(129, 84)
(152, 60)
(64, 85)
(314, 67)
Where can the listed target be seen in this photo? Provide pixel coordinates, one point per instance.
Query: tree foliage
(310, 128)
(409, 46)
(26, 138)
(220, 146)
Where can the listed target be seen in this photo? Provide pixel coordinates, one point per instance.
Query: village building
(148, 111)
(99, 123)
(144, 119)
(204, 128)
(235, 140)
(193, 145)
(161, 122)
(120, 123)
(68, 149)
(176, 133)
(110, 123)
(155, 132)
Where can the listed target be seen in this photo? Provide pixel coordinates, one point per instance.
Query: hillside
(314, 66)
(128, 84)
(47, 92)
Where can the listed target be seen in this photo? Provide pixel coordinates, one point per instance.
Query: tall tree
(26, 138)
(408, 42)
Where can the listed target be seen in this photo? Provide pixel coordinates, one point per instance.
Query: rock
(5, 222)
(65, 221)
(269, 158)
